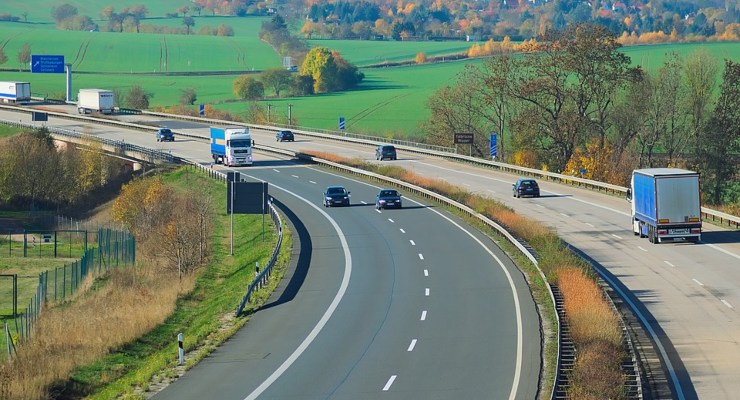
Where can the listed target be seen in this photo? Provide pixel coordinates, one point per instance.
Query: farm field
(390, 101)
(40, 10)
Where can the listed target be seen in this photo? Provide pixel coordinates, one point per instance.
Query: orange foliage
(595, 160)
(421, 58)
(525, 158)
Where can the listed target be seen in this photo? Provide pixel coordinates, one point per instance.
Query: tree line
(36, 173)
(576, 106)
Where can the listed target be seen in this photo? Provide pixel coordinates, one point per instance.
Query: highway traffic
(687, 294)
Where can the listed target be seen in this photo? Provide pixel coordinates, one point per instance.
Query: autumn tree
(189, 22)
(720, 164)
(277, 79)
(188, 96)
(319, 64)
(62, 12)
(249, 88)
(24, 56)
(138, 98)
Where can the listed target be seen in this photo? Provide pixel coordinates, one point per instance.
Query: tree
(301, 85)
(189, 22)
(246, 87)
(722, 133)
(138, 98)
(63, 12)
(136, 14)
(276, 79)
(188, 96)
(3, 57)
(319, 64)
(701, 74)
(24, 56)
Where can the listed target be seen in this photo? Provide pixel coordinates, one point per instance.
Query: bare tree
(701, 77)
(24, 56)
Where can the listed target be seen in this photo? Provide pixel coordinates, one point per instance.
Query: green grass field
(40, 10)
(391, 101)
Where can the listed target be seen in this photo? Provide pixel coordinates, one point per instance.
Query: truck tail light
(694, 219)
(664, 221)
(662, 232)
(695, 230)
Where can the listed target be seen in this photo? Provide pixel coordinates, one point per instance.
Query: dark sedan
(284, 136)
(526, 187)
(388, 198)
(336, 196)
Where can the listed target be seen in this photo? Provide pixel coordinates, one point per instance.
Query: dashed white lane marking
(669, 264)
(539, 205)
(642, 248)
(590, 224)
(392, 221)
(617, 236)
(276, 170)
(426, 272)
(426, 292)
(295, 176)
(697, 282)
(412, 345)
(402, 231)
(314, 182)
(389, 383)
(363, 202)
(564, 215)
(727, 304)
(412, 242)
(424, 315)
(421, 256)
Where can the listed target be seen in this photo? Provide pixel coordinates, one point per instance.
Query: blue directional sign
(202, 110)
(341, 123)
(47, 64)
(494, 149)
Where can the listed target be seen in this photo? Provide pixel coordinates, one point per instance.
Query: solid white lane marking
(402, 231)
(669, 264)
(617, 236)
(426, 292)
(421, 256)
(412, 242)
(731, 254)
(641, 248)
(492, 191)
(329, 310)
(725, 302)
(389, 383)
(412, 345)
(424, 315)
(426, 272)
(697, 282)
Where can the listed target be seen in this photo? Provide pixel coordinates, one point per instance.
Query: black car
(526, 187)
(165, 135)
(385, 151)
(336, 196)
(285, 136)
(388, 198)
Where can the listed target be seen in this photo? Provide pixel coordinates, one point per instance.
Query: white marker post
(180, 350)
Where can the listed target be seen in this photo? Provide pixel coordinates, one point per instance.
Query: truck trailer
(231, 145)
(95, 100)
(665, 204)
(15, 92)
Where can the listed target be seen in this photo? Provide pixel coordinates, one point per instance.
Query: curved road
(687, 294)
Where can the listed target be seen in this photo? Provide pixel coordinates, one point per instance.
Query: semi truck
(15, 92)
(665, 204)
(231, 145)
(95, 100)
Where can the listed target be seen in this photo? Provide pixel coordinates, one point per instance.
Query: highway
(688, 294)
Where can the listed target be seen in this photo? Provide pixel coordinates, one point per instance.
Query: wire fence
(55, 285)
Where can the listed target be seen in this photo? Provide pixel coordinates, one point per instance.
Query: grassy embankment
(594, 325)
(135, 314)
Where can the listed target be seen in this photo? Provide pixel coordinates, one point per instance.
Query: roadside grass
(134, 315)
(7, 131)
(594, 324)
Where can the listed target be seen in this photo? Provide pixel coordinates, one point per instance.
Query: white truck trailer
(15, 92)
(665, 204)
(95, 100)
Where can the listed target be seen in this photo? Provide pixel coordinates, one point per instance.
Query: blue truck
(665, 204)
(231, 145)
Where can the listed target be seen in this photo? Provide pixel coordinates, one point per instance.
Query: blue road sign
(47, 64)
(341, 123)
(494, 150)
(202, 110)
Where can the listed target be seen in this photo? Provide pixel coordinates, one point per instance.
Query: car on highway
(388, 198)
(526, 187)
(165, 135)
(385, 151)
(336, 196)
(285, 136)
